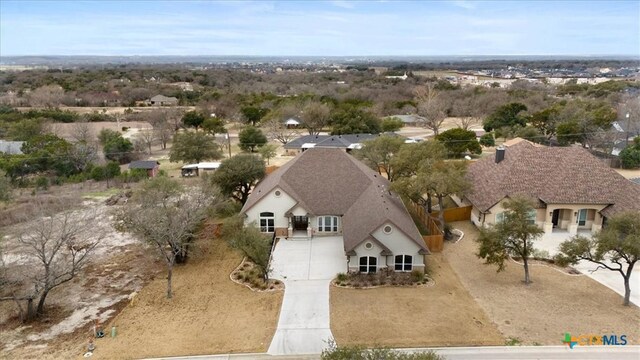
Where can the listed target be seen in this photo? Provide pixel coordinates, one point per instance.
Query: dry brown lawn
(542, 312)
(440, 315)
(208, 314)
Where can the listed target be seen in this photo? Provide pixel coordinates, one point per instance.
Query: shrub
(359, 353)
(42, 183)
(342, 277)
(487, 140)
(417, 276)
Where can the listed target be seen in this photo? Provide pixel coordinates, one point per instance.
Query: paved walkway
(306, 267)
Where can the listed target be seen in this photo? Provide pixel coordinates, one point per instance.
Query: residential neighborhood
(335, 180)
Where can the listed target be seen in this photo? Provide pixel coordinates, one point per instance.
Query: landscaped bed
(384, 277)
(248, 274)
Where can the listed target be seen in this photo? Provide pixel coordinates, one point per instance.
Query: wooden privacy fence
(434, 241)
(455, 214)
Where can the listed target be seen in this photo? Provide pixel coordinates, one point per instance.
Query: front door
(554, 218)
(300, 223)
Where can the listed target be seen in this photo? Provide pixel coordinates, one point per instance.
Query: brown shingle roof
(331, 182)
(554, 175)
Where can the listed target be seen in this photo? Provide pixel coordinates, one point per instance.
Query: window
(582, 217)
(387, 229)
(328, 223)
(404, 262)
(499, 217)
(267, 222)
(532, 216)
(368, 246)
(368, 264)
(278, 193)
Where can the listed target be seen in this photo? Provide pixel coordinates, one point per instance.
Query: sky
(320, 28)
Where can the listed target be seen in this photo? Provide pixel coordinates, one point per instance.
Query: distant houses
(161, 100)
(347, 142)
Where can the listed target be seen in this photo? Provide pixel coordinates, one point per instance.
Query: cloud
(343, 4)
(465, 4)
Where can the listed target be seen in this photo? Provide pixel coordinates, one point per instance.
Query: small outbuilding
(195, 169)
(152, 166)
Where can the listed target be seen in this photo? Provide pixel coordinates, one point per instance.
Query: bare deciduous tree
(46, 96)
(58, 246)
(147, 138)
(81, 132)
(164, 215)
(315, 116)
(431, 107)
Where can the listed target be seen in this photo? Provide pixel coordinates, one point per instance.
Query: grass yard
(441, 315)
(208, 314)
(542, 312)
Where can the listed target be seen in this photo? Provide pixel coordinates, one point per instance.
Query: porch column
(290, 227)
(547, 227)
(573, 228)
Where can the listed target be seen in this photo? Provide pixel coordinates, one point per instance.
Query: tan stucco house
(326, 192)
(574, 190)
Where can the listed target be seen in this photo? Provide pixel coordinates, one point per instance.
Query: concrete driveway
(306, 267)
(611, 279)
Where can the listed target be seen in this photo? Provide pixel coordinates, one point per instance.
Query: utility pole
(626, 139)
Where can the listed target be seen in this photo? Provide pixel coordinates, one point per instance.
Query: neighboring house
(574, 190)
(409, 120)
(635, 180)
(151, 166)
(345, 142)
(327, 192)
(11, 147)
(195, 169)
(292, 123)
(161, 100)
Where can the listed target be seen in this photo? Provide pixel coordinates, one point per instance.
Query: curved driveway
(306, 267)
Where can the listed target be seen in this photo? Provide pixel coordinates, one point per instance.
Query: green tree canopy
(253, 114)
(507, 115)
(237, 175)
(251, 138)
(616, 247)
(458, 141)
(354, 120)
(487, 140)
(513, 236)
(194, 147)
(378, 153)
(268, 151)
(630, 155)
(391, 124)
(193, 119)
(214, 125)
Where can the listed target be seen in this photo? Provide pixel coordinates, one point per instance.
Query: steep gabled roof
(553, 175)
(337, 141)
(328, 181)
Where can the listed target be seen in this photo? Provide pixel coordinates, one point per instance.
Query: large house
(574, 190)
(327, 192)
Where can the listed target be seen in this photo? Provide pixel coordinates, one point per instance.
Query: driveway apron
(306, 267)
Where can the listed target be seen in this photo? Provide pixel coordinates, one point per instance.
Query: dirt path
(442, 315)
(542, 312)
